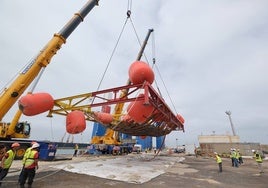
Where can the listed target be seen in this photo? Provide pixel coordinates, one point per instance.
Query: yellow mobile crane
(12, 93)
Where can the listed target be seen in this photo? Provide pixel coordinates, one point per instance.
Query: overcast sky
(211, 55)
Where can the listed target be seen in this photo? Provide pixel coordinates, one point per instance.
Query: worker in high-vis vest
(24, 158)
(7, 160)
(30, 165)
(258, 158)
(218, 160)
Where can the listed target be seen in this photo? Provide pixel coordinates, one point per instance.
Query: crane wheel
(20, 152)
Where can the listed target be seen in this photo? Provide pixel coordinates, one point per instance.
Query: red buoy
(126, 118)
(140, 71)
(37, 103)
(104, 118)
(180, 118)
(138, 111)
(75, 122)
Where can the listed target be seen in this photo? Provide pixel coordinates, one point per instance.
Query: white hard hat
(253, 150)
(33, 142)
(215, 153)
(35, 145)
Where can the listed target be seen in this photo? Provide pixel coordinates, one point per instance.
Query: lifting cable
(165, 89)
(154, 60)
(154, 64)
(162, 145)
(117, 42)
(161, 78)
(115, 47)
(51, 128)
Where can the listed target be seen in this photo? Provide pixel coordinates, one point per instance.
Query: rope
(161, 78)
(129, 4)
(109, 61)
(157, 153)
(138, 39)
(35, 179)
(166, 89)
(154, 64)
(51, 128)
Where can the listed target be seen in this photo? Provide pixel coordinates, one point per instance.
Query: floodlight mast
(231, 122)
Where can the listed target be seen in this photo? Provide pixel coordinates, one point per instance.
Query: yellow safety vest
(258, 158)
(30, 158)
(218, 159)
(233, 154)
(9, 160)
(25, 155)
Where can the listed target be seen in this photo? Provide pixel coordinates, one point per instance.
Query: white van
(137, 148)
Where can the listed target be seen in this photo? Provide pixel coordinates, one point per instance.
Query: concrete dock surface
(142, 170)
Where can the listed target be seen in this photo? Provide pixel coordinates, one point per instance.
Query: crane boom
(231, 122)
(16, 89)
(11, 94)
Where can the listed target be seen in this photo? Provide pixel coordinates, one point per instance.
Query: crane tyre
(20, 152)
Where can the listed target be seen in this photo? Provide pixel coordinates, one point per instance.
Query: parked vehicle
(137, 148)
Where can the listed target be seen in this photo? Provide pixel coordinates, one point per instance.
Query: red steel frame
(161, 122)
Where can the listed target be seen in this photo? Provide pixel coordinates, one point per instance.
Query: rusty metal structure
(161, 122)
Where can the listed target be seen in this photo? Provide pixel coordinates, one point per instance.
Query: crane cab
(20, 130)
(23, 129)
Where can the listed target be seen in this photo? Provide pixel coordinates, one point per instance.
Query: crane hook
(128, 13)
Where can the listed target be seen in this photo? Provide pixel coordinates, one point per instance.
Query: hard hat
(33, 142)
(35, 145)
(15, 144)
(215, 153)
(253, 150)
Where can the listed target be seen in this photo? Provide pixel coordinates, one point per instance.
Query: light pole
(232, 125)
